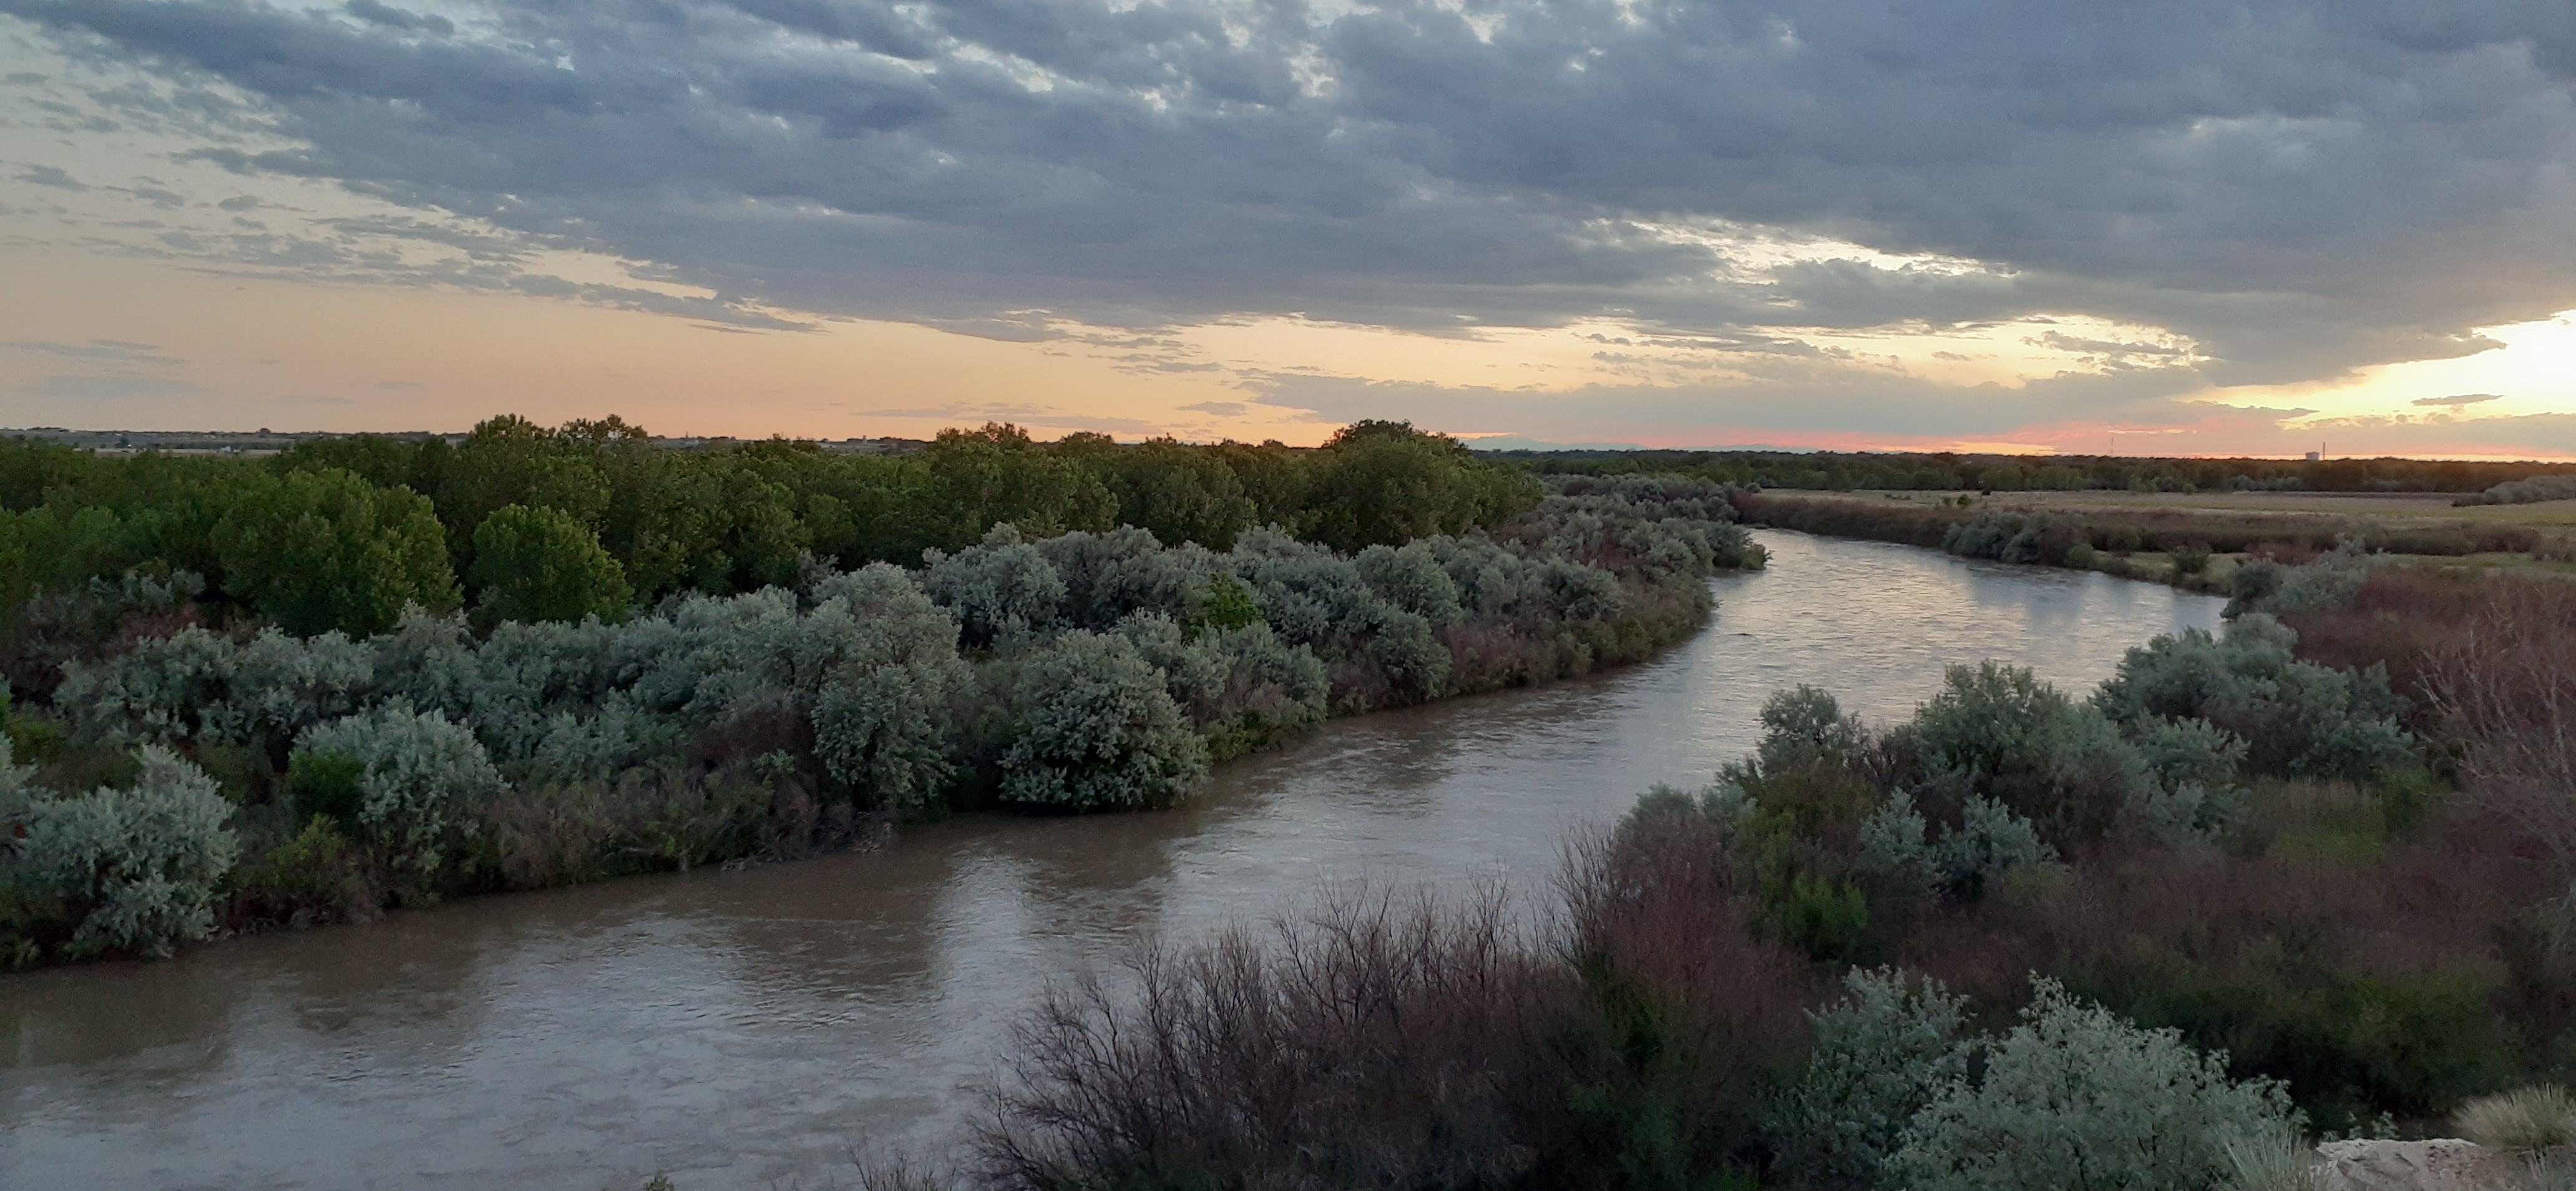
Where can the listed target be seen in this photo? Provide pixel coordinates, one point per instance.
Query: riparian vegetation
(198, 764)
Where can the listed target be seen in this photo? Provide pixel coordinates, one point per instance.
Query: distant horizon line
(1471, 440)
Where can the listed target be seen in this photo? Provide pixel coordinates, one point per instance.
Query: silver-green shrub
(158, 691)
(1806, 723)
(884, 732)
(1880, 1055)
(137, 866)
(1670, 524)
(2529, 490)
(1193, 670)
(1991, 847)
(428, 660)
(1402, 644)
(1574, 590)
(1110, 576)
(2323, 584)
(1487, 578)
(600, 745)
(1411, 578)
(195, 684)
(2189, 751)
(704, 656)
(1240, 687)
(2076, 1099)
(2196, 764)
(1271, 686)
(281, 685)
(424, 775)
(1896, 848)
(1989, 534)
(2298, 717)
(525, 673)
(2017, 740)
(885, 717)
(1093, 727)
(1002, 584)
(1311, 595)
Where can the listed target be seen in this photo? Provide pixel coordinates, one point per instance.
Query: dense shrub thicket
(2144, 939)
(132, 868)
(519, 522)
(1084, 670)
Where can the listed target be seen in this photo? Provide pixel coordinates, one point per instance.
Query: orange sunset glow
(278, 215)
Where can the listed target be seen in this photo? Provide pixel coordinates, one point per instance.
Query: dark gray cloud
(394, 18)
(2298, 185)
(46, 175)
(2456, 400)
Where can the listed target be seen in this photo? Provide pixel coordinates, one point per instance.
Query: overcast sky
(2160, 227)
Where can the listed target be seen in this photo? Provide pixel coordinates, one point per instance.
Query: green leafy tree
(32, 467)
(321, 550)
(1178, 492)
(543, 564)
(510, 460)
(1274, 477)
(1385, 483)
(417, 463)
(998, 473)
(1224, 606)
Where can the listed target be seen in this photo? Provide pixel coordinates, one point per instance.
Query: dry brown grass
(2505, 678)
(2401, 506)
(2524, 1120)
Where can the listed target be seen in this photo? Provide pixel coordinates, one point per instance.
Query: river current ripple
(749, 1029)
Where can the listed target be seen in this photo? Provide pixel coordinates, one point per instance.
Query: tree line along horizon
(516, 507)
(518, 521)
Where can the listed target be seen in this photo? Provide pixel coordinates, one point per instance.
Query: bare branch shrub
(1378, 1040)
(2505, 683)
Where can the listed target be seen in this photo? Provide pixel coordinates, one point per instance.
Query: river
(748, 1029)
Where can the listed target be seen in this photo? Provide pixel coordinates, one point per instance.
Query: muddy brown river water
(750, 1029)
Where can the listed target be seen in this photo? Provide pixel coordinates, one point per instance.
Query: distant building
(2316, 456)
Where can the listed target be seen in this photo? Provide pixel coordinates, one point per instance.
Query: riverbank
(2227, 895)
(185, 782)
(2192, 541)
(745, 1028)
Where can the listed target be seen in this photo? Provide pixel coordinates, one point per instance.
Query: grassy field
(2140, 534)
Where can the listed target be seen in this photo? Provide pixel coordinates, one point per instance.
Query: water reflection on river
(745, 1029)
